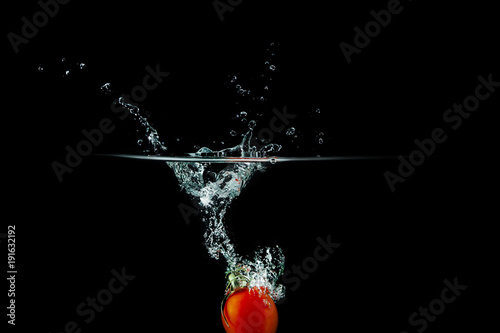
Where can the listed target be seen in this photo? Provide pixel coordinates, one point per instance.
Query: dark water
(396, 248)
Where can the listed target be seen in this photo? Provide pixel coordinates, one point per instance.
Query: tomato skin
(250, 311)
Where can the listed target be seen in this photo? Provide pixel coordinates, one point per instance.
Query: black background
(396, 248)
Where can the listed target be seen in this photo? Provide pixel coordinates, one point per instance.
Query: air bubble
(272, 67)
(233, 133)
(290, 131)
(82, 65)
(320, 141)
(243, 113)
(251, 124)
(318, 110)
(139, 142)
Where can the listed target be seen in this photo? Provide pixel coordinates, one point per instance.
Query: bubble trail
(214, 189)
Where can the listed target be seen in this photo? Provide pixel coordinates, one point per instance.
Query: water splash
(151, 133)
(214, 186)
(215, 189)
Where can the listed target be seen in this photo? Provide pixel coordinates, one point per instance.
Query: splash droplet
(106, 88)
(251, 124)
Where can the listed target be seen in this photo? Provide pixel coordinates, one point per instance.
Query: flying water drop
(106, 88)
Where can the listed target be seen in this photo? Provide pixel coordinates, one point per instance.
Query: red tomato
(250, 311)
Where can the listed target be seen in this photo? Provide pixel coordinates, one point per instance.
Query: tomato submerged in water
(250, 311)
